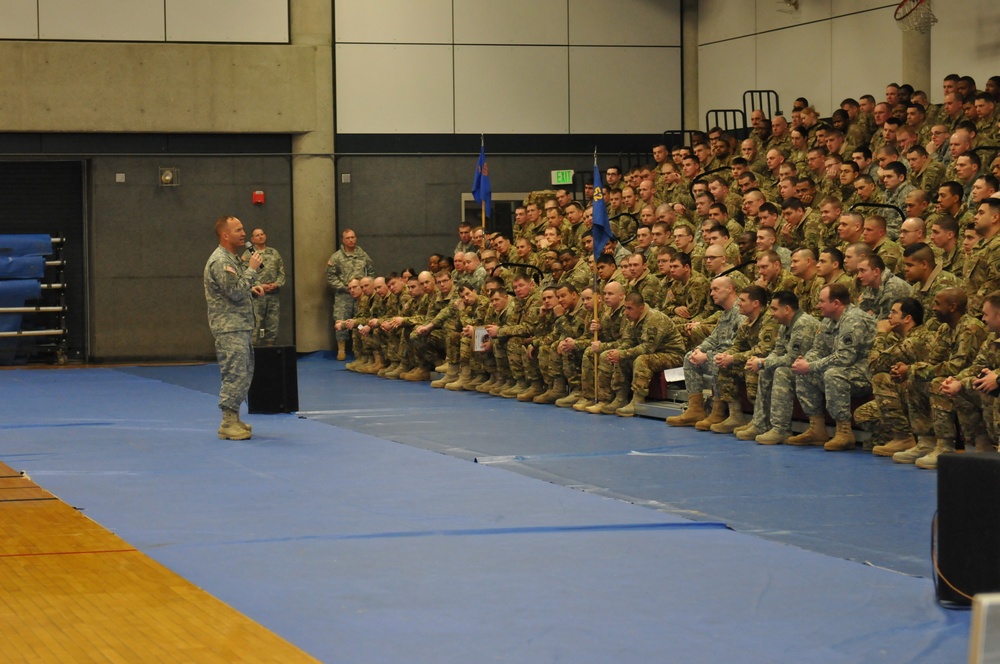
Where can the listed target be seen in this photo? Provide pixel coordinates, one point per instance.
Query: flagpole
(482, 205)
(596, 298)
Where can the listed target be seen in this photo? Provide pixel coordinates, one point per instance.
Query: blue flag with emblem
(482, 191)
(602, 228)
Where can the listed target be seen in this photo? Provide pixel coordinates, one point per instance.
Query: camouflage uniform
(570, 325)
(648, 345)
(340, 269)
(887, 410)
(838, 365)
(961, 352)
(428, 348)
(890, 252)
(267, 307)
(784, 280)
(879, 302)
(691, 295)
(754, 339)
(649, 287)
(775, 391)
(521, 322)
(939, 280)
(983, 268)
(699, 377)
(231, 320)
(612, 324)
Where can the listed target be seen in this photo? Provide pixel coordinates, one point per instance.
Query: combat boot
(735, 420)
(378, 363)
(554, 393)
(628, 410)
(463, 380)
(569, 400)
(984, 444)
(815, 435)
(246, 427)
(843, 439)
(230, 428)
(475, 380)
(749, 432)
(341, 354)
(582, 404)
(536, 388)
(451, 375)
(392, 367)
(929, 460)
(442, 368)
(694, 413)
(717, 415)
(400, 369)
(354, 364)
(512, 391)
(772, 436)
(899, 443)
(418, 375)
(620, 401)
(488, 385)
(501, 385)
(925, 444)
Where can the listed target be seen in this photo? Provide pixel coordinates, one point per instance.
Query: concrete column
(313, 182)
(689, 66)
(917, 60)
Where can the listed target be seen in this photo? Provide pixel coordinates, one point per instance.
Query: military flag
(602, 227)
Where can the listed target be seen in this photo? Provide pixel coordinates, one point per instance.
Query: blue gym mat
(359, 549)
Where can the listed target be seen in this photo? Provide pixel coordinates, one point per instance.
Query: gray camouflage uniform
(340, 269)
(231, 319)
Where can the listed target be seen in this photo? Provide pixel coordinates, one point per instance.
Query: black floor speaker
(968, 526)
(275, 385)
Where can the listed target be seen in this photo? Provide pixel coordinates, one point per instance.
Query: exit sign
(562, 177)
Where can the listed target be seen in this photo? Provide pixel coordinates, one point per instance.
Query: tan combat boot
(554, 393)
(475, 380)
(843, 440)
(417, 375)
(772, 436)
(400, 369)
(570, 399)
(695, 412)
(735, 420)
(717, 415)
(748, 432)
(628, 410)
(621, 399)
(925, 444)
(341, 355)
(582, 404)
(929, 460)
(511, 391)
(391, 367)
(460, 383)
(230, 428)
(488, 385)
(815, 435)
(899, 443)
(535, 389)
(378, 363)
(450, 375)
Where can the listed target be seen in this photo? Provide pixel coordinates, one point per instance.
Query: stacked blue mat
(22, 266)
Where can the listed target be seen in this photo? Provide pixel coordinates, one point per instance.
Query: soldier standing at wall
(228, 290)
(271, 278)
(348, 262)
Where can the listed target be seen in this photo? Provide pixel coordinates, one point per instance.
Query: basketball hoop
(915, 15)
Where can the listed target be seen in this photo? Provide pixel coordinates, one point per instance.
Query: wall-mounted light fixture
(169, 176)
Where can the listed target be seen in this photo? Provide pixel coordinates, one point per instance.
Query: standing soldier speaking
(271, 278)
(229, 287)
(348, 262)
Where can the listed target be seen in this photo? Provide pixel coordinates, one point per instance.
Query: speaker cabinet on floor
(968, 528)
(275, 386)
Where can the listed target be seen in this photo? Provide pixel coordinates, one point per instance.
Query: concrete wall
(831, 49)
(149, 244)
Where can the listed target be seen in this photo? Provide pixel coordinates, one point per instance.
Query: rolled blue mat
(15, 292)
(25, 245)
(22, 267)
(9, 323)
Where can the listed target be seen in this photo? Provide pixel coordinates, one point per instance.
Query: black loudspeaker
(968, 526)
(275, 385)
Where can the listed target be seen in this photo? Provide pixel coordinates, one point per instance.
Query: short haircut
(787, 298)
(682, 258)
(835, 254)
(756, 294)
(896, 167)
(911, 307)
(635, 297)
(920, 252)
(947, 223)
(874, 261)
(840, 293)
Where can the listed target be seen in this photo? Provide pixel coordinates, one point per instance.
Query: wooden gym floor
(70, 591)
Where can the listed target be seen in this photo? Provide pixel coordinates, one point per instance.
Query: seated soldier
(879, 287)
(772, 411)
(835, 368)
(926, 276)
(561, 364)
(699, 363)
(754, 338)
(650, 343)
(607, 332)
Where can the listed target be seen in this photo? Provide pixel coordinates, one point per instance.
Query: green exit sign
(562, 177)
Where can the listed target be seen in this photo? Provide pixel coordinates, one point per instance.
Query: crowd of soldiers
(849, 264)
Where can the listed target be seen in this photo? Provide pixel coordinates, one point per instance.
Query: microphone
(252, 251)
